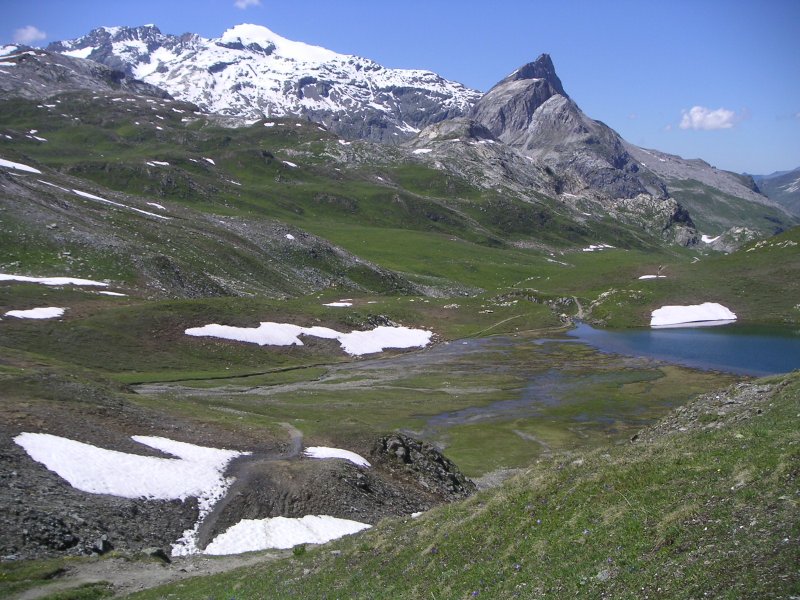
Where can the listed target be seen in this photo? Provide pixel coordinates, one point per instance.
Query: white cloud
(28, 35)
(243, 4)
(700, 117)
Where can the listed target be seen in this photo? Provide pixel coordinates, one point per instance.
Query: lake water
(732, 348)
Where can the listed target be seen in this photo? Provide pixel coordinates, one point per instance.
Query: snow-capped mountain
(253, 72)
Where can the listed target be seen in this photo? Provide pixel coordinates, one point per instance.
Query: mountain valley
(268, 247)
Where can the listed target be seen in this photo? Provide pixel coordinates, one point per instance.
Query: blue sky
(718, 80)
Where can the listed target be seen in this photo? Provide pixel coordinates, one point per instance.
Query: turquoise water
(733, 348)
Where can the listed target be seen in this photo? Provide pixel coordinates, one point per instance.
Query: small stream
(568, 383)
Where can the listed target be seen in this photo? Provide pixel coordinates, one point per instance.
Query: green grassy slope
(422, 230)
(714, 211)
(759, 282)
(234, 192)
(705, 507)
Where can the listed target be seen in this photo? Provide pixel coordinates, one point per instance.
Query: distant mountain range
(251, 71)
(783, 187)
(525, 135)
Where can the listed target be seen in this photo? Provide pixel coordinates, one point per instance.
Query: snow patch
(157, 205)
(250, 535)
(290, 164)
(50, 312)
(421, 151)
(51, 280)
(112, 294)
(99, 199)
(298, 51)
(52, 185)
(355, 343)
(81, 52)
(326, 452)
(209, 160)
(708, 312)
(707, 239)
(18, 166)
(101, 471)
(338, 304)
(289, 236)
(653, 277)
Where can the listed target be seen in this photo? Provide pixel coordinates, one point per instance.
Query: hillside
(698, 505)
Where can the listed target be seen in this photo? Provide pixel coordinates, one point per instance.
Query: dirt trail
(129, 576)
(580, 314)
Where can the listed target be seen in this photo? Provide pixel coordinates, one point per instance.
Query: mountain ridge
(783, 187)
(251, 71)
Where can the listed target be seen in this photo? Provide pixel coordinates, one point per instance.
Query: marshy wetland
(490, 403)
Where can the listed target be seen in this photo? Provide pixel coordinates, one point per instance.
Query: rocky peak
(508, 108)
(541, 68)
(530, 111)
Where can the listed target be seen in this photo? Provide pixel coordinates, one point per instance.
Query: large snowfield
(195, 472)
(355, 343)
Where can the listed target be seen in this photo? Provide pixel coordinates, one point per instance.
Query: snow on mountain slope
(251, 71)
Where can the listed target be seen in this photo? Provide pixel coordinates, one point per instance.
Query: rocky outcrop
(421, 462)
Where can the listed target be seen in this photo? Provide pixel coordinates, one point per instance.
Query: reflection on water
(734, 349)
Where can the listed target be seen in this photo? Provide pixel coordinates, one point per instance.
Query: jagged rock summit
(529, 110)
(252, 71)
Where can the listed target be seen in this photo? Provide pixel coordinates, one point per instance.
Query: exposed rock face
(529, 110)
(254, 72)
(423, 463)
(38, 74)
